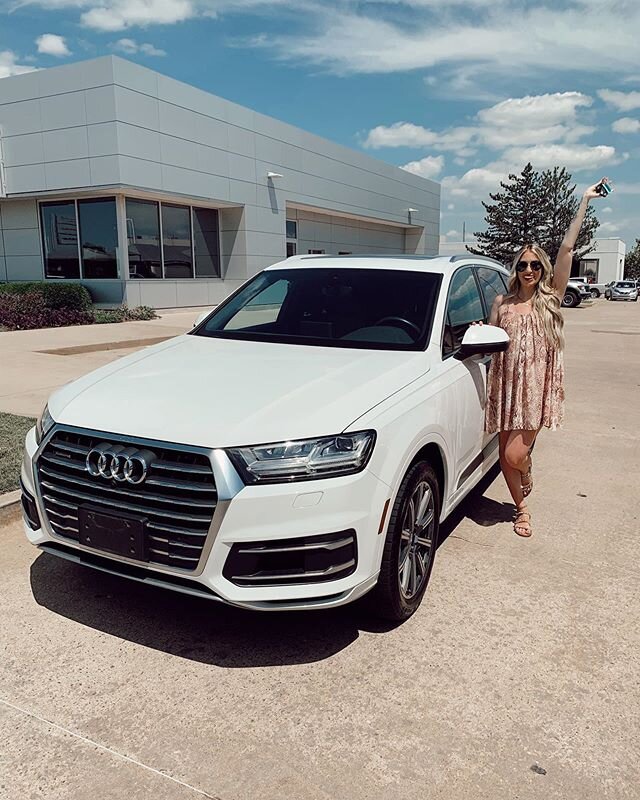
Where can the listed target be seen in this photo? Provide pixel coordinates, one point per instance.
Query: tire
(397, 595)
(570, 300)
(595, 293)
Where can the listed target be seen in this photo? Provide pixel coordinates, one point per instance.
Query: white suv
(296, 450)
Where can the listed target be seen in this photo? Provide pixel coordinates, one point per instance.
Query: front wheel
(570, 300)
(410, 545)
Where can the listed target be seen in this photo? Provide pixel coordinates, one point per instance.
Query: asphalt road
(518, 677)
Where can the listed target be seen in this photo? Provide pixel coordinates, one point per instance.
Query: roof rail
(453, 259)
(366, 255)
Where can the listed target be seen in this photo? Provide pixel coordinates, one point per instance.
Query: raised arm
(562, 268)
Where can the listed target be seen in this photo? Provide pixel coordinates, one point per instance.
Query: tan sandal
(522, 524)
(526, 479)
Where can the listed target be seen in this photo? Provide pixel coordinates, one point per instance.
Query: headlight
(304, 459)
(45, 421)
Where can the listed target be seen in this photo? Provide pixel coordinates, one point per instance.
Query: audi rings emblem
(120, 463)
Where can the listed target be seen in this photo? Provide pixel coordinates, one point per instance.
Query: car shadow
(212, 633)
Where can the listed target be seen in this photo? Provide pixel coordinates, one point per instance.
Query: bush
(69, 296)
(124, 314)
(22, 311)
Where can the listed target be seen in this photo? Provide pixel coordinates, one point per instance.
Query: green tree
(514, 217)
(536, 208)
(632, 262)
(559, 206)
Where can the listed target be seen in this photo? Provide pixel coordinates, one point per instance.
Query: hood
(220, 393)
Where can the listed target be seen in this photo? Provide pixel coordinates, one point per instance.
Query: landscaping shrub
(22, 311)
(124, 314)
(71, 296)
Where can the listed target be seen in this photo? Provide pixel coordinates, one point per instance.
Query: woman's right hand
(591, 193)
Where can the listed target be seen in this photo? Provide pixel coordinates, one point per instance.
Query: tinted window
(205, 242)
(176, 241)
(143, 233)
(60, 240)
(292, 229)
(464, 307)
(98, 237)
(491, 285)
(338, 307)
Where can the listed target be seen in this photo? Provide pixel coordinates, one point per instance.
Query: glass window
(291, 249)
(491, 285)
(176, 241)
(292, 229)
(377, 309)
(60, 240)
(205, 239)
(464, 307)
(143, 234)
(316, 252)
(98, 237)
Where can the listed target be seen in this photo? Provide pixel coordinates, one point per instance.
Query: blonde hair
(545, 300)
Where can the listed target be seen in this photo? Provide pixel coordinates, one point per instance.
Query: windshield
(626, 285)
(343, 307)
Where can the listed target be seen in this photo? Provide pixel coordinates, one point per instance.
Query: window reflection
(143, 235)
(99, 237)
(176, 241)
(205, 239)
(60, 240)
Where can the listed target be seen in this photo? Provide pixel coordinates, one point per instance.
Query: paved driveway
(518, 677)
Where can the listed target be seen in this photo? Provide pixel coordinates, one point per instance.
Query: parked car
(575, 293)
(622, 290)
(296, 450)
(595, 289)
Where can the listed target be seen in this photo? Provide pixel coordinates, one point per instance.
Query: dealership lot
(518, 676)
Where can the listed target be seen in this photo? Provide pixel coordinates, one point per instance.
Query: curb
(9, 505)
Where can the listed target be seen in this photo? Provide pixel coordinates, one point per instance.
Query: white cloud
(573, 157)
(400, 134)
(622, 101)
(453, 235)
(451, 207)
(626, 125)
(427, 167)
(131, 47)
(117, 15)
(607, 210)
(51, 44)
(9, 66)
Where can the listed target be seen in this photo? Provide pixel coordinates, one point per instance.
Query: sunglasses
(536, 266)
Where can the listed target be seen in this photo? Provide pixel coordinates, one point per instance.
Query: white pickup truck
(596, 289)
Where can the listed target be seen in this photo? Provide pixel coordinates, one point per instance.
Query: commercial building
(150, 191)
(603, 264)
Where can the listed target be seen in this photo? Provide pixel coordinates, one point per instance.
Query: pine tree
(536, 208)
(632, 262)
(559, 207)
(514, 218)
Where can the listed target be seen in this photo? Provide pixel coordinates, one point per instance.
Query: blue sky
(462, 91)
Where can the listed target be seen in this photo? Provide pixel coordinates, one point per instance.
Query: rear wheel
(595, 293)
(410, 545)
(570, 300)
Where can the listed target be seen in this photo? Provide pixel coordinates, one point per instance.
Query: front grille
(284, 562)
(177, 498)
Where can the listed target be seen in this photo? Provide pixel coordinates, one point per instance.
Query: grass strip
(13, 429)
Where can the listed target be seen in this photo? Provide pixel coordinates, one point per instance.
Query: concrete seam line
(108, 749)
(9, 499)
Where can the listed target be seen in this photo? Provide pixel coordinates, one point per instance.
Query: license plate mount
(121, 535)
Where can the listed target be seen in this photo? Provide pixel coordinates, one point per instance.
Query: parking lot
(517, 678)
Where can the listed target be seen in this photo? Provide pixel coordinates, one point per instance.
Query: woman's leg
(517, 449)
(511, 474)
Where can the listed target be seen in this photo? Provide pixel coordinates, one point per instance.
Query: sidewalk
(34, 363)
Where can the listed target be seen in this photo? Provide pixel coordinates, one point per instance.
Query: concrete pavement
(517, 678)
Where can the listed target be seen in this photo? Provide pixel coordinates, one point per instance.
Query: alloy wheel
(416, 541)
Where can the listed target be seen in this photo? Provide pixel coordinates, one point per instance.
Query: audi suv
(297, 449)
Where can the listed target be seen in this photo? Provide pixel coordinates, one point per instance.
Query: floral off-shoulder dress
(525, 384)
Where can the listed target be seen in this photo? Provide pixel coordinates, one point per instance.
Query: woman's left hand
(591, 193)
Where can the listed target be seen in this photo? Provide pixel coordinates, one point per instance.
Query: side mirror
(481, 339)
(201, 317)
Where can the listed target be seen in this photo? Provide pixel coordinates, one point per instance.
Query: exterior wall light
(274, 175)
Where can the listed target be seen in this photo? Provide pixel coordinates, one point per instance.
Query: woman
(525, 389)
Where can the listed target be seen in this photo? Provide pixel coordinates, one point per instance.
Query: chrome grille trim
(185, 540)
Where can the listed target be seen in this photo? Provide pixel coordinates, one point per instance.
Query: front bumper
(250, 515)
